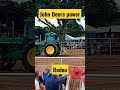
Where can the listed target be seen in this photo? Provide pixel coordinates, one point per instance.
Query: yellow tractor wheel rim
(50, 50)
(31, 57)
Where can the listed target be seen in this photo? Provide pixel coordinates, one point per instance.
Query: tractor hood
(39, 43)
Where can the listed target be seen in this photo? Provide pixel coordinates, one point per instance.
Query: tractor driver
(56, 40)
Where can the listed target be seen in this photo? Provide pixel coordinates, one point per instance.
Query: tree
(16, 4)
(59, 4)
(74, 29)
(100, 12)
(28, 6)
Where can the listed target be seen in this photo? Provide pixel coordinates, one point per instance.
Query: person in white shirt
(38, 85)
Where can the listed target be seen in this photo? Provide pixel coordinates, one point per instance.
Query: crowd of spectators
(74, 81)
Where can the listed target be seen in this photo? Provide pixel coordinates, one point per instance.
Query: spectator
(36, 72)
(83, 80)
(98, 48)
(41, 79)
(62, 80)
(92, 51)
(53, 83)
(46, 75)
(74, 82)
(38, 85)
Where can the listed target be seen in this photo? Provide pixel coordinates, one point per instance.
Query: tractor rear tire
(28, 56)
(51, 50)
(8, 66)
(5, 62)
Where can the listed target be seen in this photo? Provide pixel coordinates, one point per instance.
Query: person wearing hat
(74, 81)
(83, 76)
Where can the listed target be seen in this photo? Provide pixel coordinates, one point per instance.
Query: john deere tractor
(17, 37)
(50, 46)
(13, 47)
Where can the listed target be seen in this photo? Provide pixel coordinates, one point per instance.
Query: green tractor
(18, 48)
(50, 46)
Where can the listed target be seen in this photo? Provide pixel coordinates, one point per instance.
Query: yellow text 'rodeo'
(59, 69)
(59, 13)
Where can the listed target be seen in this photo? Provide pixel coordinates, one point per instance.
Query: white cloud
(54, 21)
(82, 22)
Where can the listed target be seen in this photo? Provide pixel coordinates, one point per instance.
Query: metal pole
(40, 38)
(45, 38)
(6, 12)
(110, 46)
(61, 48)
(81, 43)
(61, 62)
(86, 40)
(12, 29)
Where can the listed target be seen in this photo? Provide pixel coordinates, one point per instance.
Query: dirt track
(18, 68)
(72, 53)
(41, 63)
(17, 82)
(102, 83)
(27, 82)
(103, 64)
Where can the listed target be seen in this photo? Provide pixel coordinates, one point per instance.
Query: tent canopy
(106, 29)
(90, 29)
(68, 37)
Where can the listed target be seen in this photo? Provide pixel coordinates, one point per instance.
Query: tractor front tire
(28, 56)
(51, 50)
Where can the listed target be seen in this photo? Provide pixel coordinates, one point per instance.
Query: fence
(41, 63)
(72, 47)
(101, 46)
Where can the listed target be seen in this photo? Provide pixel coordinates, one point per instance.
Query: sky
(54, 21)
